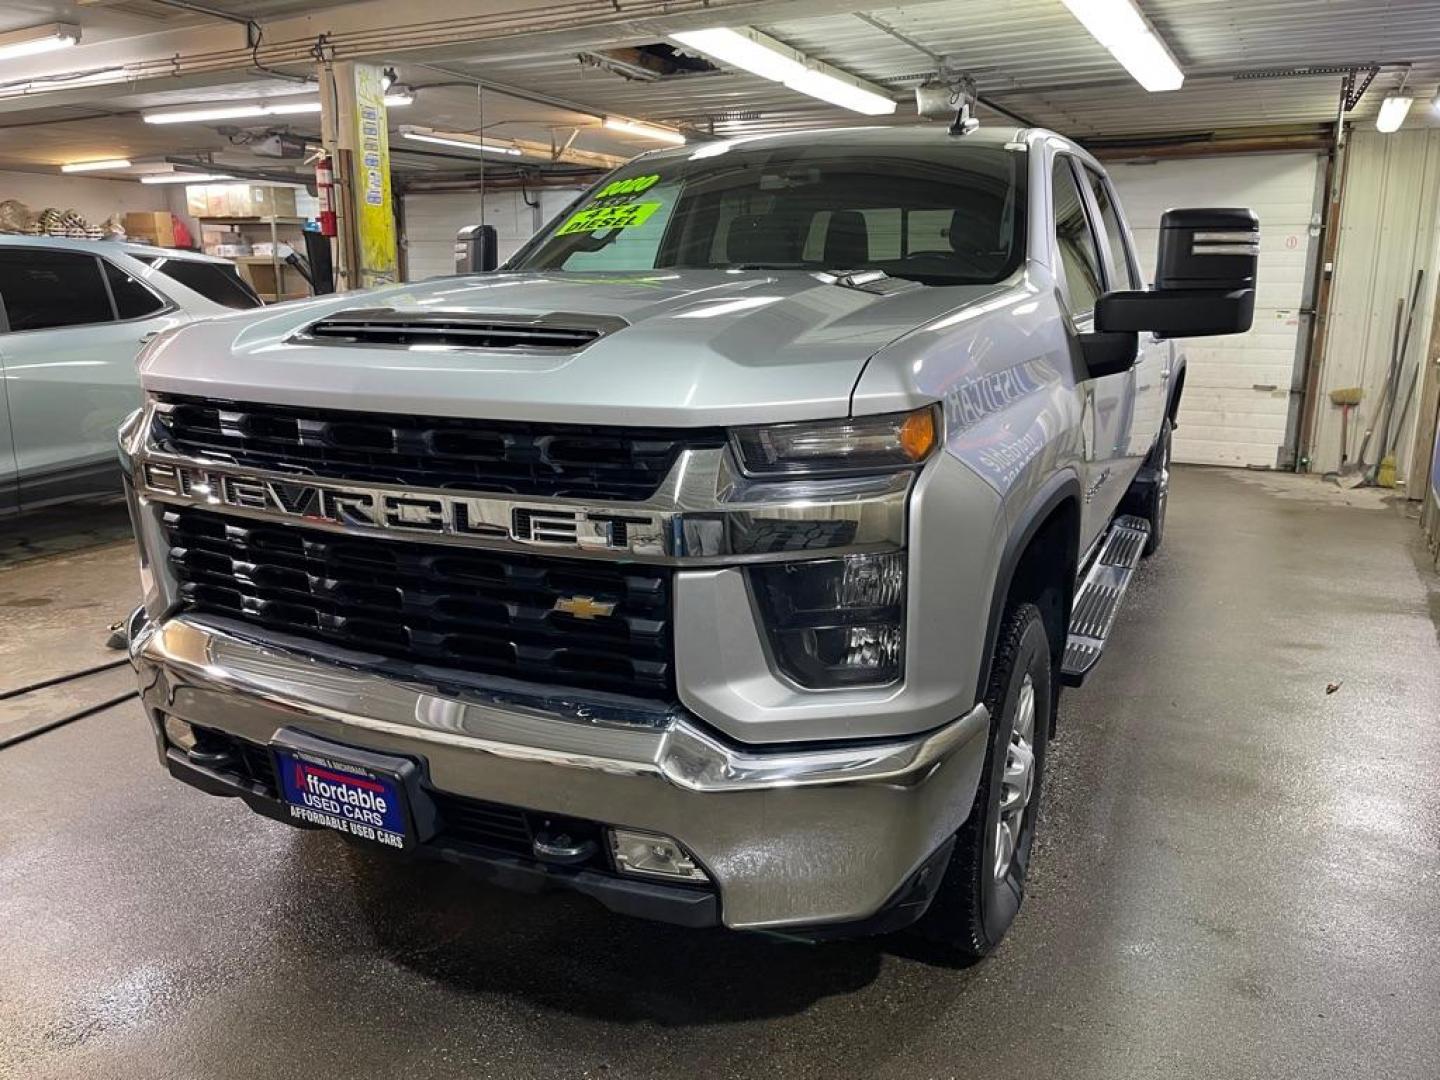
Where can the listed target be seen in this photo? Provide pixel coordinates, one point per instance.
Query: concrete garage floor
(1236, 875)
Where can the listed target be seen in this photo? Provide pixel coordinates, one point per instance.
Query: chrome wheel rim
(1017, 783)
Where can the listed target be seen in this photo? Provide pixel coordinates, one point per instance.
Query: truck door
(75, 324)
(1105, 418)
(1149, 379)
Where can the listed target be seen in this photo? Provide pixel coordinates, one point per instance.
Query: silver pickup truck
(720, 558)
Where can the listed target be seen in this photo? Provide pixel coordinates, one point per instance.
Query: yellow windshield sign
(621, 216)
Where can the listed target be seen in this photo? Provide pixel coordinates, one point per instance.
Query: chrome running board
(1098, 599)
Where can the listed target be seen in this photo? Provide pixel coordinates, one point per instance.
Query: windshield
(946, 214)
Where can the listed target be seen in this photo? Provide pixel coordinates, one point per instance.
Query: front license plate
(345, 796)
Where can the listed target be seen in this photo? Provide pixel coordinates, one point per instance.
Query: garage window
(45, 289)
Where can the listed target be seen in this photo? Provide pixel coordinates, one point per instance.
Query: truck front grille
(556, 460)
(490, 613)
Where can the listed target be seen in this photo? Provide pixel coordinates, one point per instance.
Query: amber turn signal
(917, 434)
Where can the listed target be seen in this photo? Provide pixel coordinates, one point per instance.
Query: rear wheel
(985, 879)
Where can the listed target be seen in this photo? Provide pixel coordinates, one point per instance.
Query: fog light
(652, 855)
(836, 622)
(180, 733)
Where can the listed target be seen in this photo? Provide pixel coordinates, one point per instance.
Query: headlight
(835, 622)
(861, 444)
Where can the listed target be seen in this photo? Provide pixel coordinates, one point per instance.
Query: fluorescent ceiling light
(96, 166)
(184, 178)
(402, 96)
(841, 92)
(255, 109)
(38, 39)
(294, 108)
(215, 112)
(1119, 26)
(761, 55)
(230, 112)
(740, 50)
(460, 141)
(658, 132)
(1393, 111)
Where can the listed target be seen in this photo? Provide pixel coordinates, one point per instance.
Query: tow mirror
(1204, 283)
(477, 249)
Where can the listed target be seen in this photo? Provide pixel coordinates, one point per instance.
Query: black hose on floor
(89, 710)
(58, 679)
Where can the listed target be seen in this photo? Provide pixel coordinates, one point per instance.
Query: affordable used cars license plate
(345, 796)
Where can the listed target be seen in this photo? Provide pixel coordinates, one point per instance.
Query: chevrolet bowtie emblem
(584, 607)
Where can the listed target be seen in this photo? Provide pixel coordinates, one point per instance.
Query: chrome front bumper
(798, 836)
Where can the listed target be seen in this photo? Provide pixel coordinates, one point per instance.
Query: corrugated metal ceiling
(1034, 58)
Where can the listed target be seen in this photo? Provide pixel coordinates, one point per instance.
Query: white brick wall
(1226, 415)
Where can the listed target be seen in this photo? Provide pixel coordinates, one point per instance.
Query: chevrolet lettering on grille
(419, 513)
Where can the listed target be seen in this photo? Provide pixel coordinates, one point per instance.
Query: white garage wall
(1389, 229)
(431, 222)
(95, 199)
(1237, 389)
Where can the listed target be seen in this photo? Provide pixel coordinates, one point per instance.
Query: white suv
(73, 316)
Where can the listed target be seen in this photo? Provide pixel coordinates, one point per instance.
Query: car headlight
(835, 622)
(860, 444)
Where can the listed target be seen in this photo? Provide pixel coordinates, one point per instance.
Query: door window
(132, 299)
(213, 281)
(42, 289)
(1079, 256)
(1122, 260)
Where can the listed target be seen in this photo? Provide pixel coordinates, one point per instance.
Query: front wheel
(985, 879)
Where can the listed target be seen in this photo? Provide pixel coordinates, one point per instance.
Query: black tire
(973, 907)
(1157, 496)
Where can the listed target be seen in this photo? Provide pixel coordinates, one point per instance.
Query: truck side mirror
(1108, 353)
(477, 249)
(1205, 280)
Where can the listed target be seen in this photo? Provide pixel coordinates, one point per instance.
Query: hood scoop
(556, 332)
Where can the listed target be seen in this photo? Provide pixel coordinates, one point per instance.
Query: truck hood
(700, 347)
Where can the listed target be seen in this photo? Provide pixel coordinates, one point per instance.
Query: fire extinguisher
(325, 190)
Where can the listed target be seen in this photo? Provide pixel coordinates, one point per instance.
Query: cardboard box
(155, 227)
(240, 200)
(272, 200)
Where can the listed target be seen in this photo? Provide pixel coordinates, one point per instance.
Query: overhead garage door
(431, 222)
(1237, 389)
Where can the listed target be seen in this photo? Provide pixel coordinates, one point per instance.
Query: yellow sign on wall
(374, 210)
